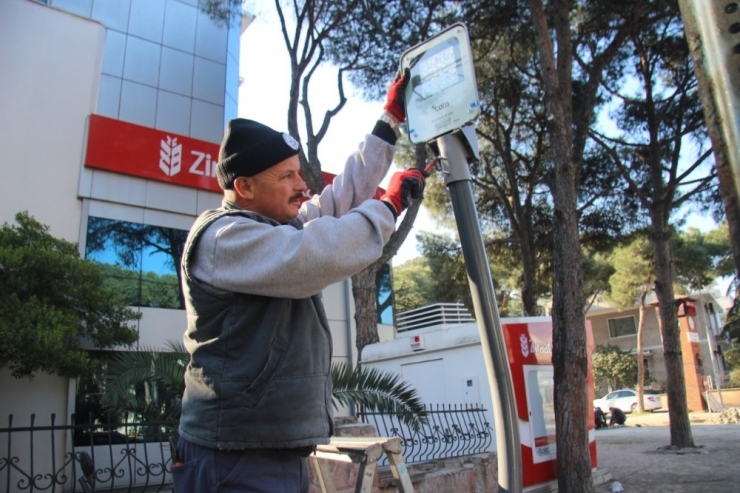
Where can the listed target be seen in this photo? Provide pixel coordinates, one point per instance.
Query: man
(258, 387)
(617, 416)
(599, 418)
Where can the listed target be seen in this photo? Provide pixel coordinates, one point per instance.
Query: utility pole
(441, 107)
(713, 33)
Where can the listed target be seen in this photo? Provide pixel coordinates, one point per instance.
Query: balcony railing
(131, 457)
(451, 431)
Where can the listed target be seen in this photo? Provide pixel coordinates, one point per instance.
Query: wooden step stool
(366, 451)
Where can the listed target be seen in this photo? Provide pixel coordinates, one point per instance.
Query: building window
(621, 327)
(140, 262)
(384, 295)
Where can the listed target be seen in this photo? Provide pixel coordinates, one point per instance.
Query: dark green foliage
(413, 285)
(146, 384)
(372, 38)
(446, 269)
(440, 276)
(633, 276)
(731, 329)
(732, 358)
(145, 289)
(699, 258)
(615, 366)
(222, 12)
(731, 332)
(50, 299)
(596, 273)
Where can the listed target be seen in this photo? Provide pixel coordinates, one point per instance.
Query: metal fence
(131, 457)
(451, 431)
(135, 457)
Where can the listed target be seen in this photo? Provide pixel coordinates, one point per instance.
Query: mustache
(297, 196)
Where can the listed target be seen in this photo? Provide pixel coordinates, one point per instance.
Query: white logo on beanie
(290, 141)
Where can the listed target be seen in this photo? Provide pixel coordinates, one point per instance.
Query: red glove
(404, 187)
(395, 98)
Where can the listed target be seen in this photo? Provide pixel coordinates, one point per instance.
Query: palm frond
(377, 391)
(159, 373)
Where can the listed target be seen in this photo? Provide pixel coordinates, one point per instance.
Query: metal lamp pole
(455, 149)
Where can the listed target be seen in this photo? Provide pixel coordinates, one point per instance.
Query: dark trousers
(207, 470)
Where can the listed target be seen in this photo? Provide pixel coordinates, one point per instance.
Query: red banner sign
(130, 149)
(148, 153)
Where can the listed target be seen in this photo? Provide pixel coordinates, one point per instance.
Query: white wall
(43, 396)
(55, 60)
(339, 307)
(455, 349)
(449, 370)
(50, 62)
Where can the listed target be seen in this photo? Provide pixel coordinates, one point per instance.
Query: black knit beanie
(249, 148)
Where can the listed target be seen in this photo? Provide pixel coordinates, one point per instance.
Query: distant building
(430, 337)
(700, 323)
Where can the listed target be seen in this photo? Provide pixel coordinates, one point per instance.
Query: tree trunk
(728, 192)
(570, 358)
(529, 268)
(677, 407)
(640, 359)
(569, 355)
(366, 307)
(364, 288)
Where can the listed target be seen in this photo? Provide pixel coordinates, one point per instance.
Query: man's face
(277, 192)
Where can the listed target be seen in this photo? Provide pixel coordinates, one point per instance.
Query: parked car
(626, 400)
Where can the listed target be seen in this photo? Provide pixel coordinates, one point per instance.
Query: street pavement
(636, 458)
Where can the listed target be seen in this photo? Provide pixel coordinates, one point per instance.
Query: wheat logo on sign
(170, 156)
(524, 343)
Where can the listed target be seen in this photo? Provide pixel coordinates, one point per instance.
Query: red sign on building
(148, 153)
(130, 149)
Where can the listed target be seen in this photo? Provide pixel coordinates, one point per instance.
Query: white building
(158, 67)
(111, 114)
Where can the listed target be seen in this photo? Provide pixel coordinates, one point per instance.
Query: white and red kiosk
(529, 348)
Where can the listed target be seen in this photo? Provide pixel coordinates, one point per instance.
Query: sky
(263, 96)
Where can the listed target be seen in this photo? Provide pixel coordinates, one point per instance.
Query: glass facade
(166, 64)
(141, 262)
(384, 295)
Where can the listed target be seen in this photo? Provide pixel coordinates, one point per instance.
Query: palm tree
(378, 391)
(149, 385)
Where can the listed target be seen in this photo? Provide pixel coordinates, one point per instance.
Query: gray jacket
(257, 333)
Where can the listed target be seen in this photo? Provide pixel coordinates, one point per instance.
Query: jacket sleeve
(359, 181)
(238, 254)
